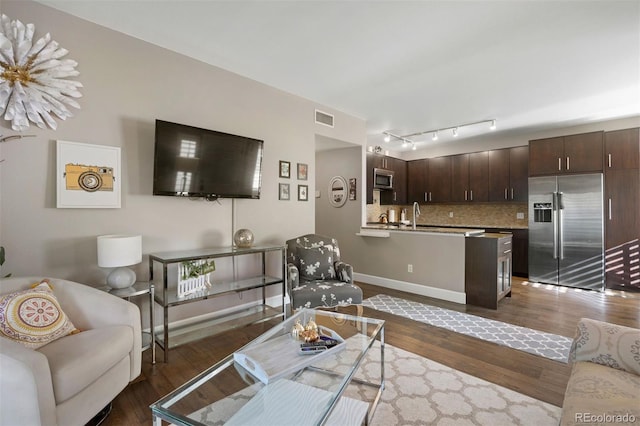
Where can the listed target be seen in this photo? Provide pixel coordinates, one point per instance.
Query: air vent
(324, 118)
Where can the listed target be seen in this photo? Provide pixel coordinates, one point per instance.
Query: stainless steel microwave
(382, 179)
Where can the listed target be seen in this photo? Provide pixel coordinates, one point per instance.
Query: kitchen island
(428, 260)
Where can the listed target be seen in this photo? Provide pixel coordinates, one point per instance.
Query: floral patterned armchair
(317, 275)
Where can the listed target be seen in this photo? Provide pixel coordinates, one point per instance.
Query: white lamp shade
(119, 250)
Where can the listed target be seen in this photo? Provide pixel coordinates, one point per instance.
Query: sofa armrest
(344, 271)
(26, 390)
(612, 345)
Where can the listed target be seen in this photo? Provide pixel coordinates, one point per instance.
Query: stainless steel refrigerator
(566, 230)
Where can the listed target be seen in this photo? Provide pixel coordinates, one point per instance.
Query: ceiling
(411, 66)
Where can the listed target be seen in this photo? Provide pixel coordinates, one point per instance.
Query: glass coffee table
(271, 380)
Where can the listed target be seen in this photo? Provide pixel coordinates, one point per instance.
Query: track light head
(435, 136)
(493, 125)
(455, 132)
(413, 146)
(387, 138)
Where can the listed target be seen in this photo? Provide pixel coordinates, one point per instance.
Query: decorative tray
(280, 356)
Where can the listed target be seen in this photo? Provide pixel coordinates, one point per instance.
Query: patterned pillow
(316, 263)
(33, 317)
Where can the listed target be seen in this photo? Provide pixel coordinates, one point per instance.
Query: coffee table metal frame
(161, 410)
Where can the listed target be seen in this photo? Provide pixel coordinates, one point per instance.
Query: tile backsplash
(486, 215)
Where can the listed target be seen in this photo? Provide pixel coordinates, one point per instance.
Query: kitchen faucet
(416, 213)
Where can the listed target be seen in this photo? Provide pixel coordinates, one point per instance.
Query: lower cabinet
(488, 269)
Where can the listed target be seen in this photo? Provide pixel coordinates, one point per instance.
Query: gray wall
(129, 83)
(339, 222)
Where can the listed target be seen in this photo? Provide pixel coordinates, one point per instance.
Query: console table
(167, 297)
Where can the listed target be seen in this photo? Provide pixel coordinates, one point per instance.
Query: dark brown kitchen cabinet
(509, 174)
(439, 180)
(622, 228)
(622, 149)
(397, 195)
(566, 154)
(470, 177)
(487, 278)
(622, 209)
(417, 181)
(520, 253)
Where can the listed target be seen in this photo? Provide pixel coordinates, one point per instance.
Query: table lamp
(120, 251)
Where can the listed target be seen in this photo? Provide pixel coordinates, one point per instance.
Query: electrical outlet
(409, 268)
(520, 215)
(450, 214)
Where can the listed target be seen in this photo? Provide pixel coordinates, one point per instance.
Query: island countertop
(425, 228)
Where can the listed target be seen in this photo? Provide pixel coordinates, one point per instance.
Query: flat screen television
(194, 162)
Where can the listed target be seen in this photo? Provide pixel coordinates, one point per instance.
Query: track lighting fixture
(435, 132)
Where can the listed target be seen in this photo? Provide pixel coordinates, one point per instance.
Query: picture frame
(87, 175)
(303, 170)
(303, 192)
(284, 169)
(353, 189)
(283, 191)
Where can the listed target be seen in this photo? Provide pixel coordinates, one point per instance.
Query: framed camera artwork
(87, 175)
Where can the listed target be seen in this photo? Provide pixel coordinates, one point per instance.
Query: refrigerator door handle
(560, 227)
(555, 224)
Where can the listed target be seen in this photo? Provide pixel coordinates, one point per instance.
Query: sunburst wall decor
(33, 79)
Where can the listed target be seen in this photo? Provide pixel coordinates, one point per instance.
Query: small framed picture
(352, 189)
(302, 171)
(303, 192)
(283, 191)
(285, 169)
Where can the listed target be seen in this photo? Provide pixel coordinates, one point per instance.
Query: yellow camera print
(88, 178)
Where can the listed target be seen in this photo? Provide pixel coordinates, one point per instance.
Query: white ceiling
(411, 66)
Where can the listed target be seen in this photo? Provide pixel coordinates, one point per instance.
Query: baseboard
(423, 290)
(273, 301)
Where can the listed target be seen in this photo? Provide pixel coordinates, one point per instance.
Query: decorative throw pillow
(33, 317)
(316, 263)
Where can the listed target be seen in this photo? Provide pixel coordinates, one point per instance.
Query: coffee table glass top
(268, 381)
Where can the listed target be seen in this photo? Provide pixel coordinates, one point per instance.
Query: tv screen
(194, 162)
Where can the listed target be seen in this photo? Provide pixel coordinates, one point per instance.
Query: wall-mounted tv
(194, 162)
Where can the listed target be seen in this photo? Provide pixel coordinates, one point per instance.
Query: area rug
(547, 345)
(418, 391)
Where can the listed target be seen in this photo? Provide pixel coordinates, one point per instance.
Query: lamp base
(122, 277)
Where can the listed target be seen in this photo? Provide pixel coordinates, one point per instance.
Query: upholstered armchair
(69, 380)
(317, 275)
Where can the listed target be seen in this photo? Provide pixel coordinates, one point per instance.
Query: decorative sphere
(243, 238)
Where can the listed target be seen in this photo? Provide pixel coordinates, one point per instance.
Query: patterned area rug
(525, 339)
(418, 391)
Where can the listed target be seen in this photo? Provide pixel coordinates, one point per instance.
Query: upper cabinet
(568, 154)
(622, 149)
(439, 180)
(470, 177)
(417, 181)
(397, 195)
(509, 174)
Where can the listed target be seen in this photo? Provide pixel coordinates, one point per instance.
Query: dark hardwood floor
(546, 308)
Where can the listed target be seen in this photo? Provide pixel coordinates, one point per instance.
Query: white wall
(129, 83)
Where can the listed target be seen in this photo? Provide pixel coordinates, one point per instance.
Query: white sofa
(68, 381)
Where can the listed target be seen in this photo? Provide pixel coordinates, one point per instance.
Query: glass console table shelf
(167, 296)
